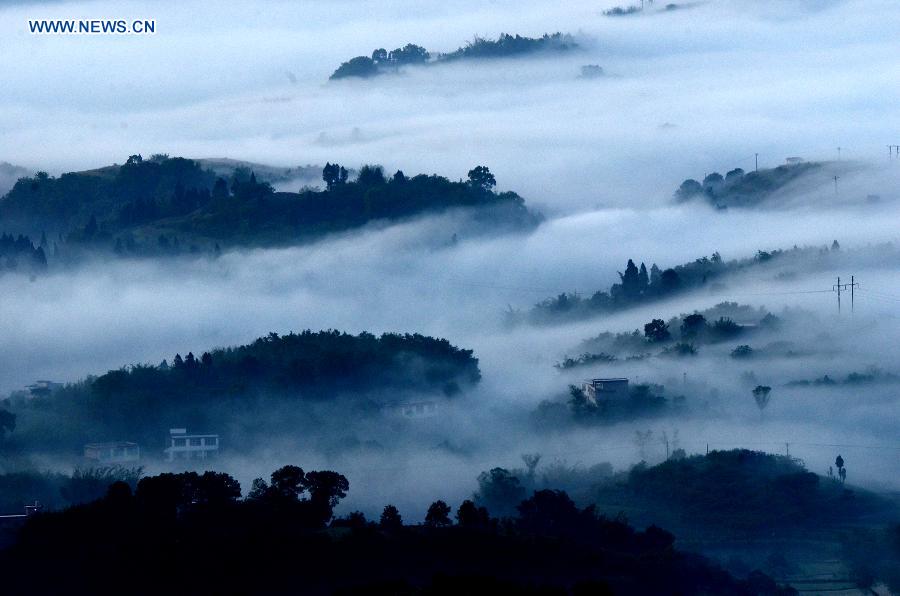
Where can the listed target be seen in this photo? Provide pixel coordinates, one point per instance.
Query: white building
(605, 389)
(118, 453)
(181, 445)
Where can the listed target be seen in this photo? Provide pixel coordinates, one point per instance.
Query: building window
(211, 441)
(178, 442)
(196, 442)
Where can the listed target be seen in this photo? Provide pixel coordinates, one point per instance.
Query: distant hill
(9, 173)
(738, 188)
(272, 383)
(162, 205)
(505, 46)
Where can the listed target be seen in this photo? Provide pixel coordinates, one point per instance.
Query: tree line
(162, 205)
(196, 532)
(382, 61)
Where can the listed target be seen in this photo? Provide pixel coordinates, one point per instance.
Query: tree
(669, 281)
(334, 174)
(631, 281)
(480, 177)
(657, 331)
(842, 471)
(326, 488)
(499, 491)
(742, 351)
(713, 183)
(379, 56)
(288, 482)
(471, 516)
(438, 514)
(761, 395)
(689, 189)
(693, 326)
(360, 66)
(370, 176)
(643, 279)
(7, 423)
(390, 518)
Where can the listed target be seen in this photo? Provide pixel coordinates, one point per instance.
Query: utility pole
(844, 287)
(756, 161)
(838, 286)
(787, 449)
(835, 184)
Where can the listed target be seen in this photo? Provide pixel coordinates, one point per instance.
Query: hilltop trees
(169, 206)
(294, 370)
(480, 178)
(383, 61)
(334, 174)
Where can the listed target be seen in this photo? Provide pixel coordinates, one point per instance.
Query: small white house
(182, 445)
(112, 454)
(605, 389)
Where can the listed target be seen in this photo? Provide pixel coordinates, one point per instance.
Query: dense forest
(744, 189)
(640, 285)
(505, 46)
(197, 533)
(162, 206)
(19, 253)
(248, 386)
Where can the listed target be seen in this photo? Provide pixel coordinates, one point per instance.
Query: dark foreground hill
(192, 534)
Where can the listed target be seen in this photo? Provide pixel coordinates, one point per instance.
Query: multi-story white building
(182, 445)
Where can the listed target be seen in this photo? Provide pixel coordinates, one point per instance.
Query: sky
(689, 91)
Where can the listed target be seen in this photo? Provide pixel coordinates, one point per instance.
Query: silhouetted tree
(500, 491)
(333, 175)
(480, 177)
(471, 516)
(438, 514)
(288, 482)
(692, 326)
(390, 519)
(842, 471)
(657, 331)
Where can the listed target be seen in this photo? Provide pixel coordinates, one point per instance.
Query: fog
(695, 90)
(690, 92)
